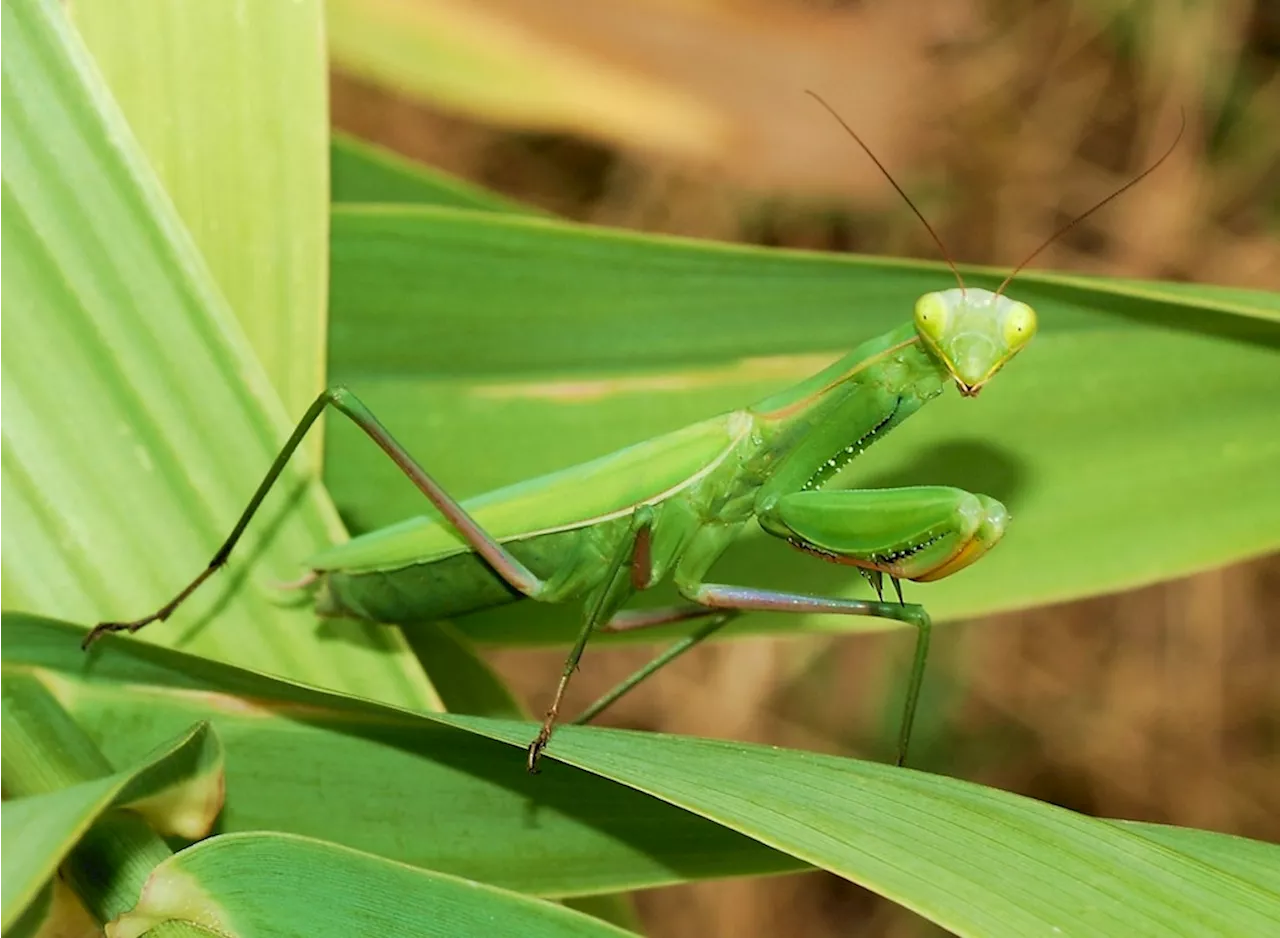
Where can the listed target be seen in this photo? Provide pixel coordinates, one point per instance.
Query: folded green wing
(573, 497)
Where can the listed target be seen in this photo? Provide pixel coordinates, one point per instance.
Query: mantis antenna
(893, 182)
(1083, 215)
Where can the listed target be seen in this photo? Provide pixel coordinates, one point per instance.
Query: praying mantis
(669, 507)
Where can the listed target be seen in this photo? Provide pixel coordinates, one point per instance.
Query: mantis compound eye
(932, 313)
(1019, 325)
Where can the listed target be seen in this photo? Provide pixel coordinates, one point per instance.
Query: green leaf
(975, 860)
(230, 106)
(46, 750)
(294, 753)
(184, 776)
(319, 889)
(136, 419)
(362, 172)
(1254, 861)
(499, 348)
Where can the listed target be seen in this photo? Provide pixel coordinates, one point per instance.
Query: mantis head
(973, 332)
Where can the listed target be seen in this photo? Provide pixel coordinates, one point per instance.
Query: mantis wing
(591, 492)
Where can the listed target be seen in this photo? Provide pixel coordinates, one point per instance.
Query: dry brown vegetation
(1003, 119)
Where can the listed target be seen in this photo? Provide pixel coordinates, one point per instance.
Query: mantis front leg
(920, 533)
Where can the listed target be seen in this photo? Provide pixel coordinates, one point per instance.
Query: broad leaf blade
(499, 348)
(136, 419)
(40, 830)
(1254, 861)
(463, 679)
(230, 106)
(321, 889)
(293, 753)
(977, 861)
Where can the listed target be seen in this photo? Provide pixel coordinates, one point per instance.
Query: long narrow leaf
(329, 767)
(230, 106)
(316, 890)
(40, 830)
(1251, 860)
(498, 348)
(977, 860)
(136, 419)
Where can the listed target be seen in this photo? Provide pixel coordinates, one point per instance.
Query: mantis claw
(544, 733)
(535, 752)
(99, 630)
(103, 628)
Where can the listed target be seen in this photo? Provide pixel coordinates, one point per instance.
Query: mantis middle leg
(744, 598)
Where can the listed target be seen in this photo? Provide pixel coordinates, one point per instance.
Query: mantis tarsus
(669, 507)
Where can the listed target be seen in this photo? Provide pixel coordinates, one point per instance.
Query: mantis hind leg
(743, 598)
(499, 558)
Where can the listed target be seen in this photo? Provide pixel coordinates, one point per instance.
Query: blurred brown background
(1003, 120)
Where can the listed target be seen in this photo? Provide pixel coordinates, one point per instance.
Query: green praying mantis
(669, 507)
